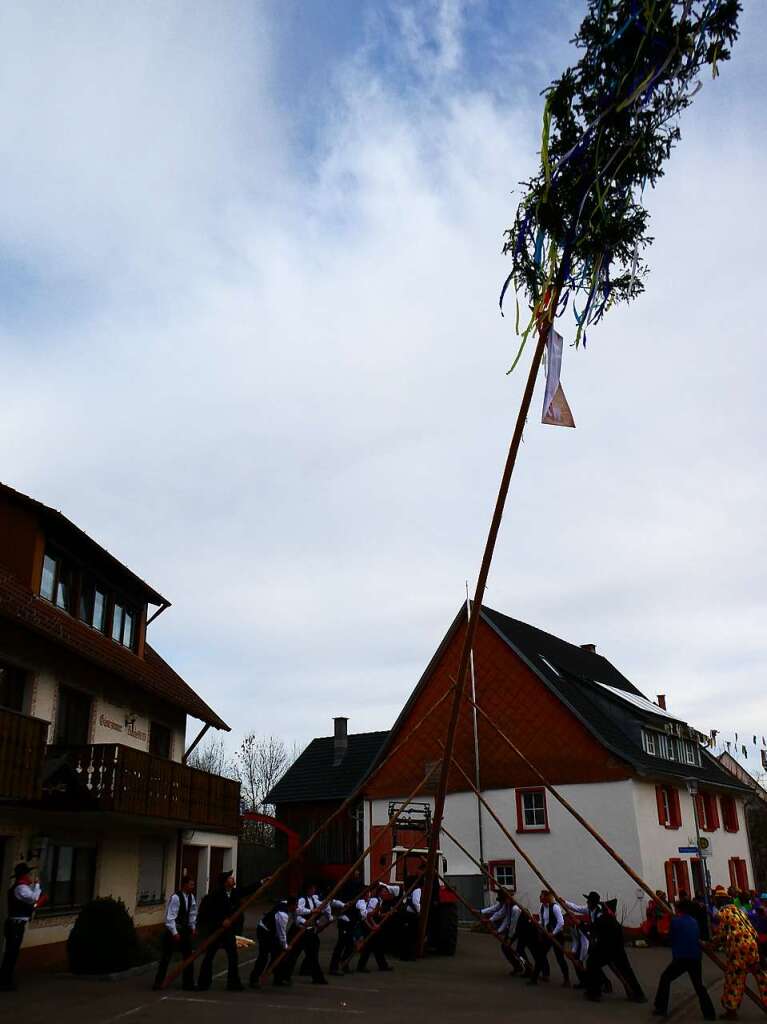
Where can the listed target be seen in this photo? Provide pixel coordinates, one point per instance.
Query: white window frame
(505, 874)
(534, 826)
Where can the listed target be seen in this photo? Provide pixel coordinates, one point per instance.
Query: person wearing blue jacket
(686, 958)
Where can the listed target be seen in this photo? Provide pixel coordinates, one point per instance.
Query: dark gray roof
(313, 777)
(574, 674)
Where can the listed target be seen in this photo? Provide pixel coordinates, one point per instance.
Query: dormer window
(56, 581)
(93, 606)
(123, 625)
(661, 744)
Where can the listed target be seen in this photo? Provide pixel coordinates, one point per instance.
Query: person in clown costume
(737, 936)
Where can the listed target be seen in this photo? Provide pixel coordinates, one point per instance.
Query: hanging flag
(764, 759)
(556, 411)
(743, 748)
(713, 735)
(728, 744)
(754, 740)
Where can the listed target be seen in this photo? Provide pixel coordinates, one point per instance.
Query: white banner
(556, 411)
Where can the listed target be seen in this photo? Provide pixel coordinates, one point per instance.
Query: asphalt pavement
(474, 985)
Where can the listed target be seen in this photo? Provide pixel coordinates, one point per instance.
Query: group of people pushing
(370, 921)
(591, 937)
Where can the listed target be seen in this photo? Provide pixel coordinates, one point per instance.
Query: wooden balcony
(22, 753)
(123, 780)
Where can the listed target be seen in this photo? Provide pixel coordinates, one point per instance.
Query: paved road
(474, 985)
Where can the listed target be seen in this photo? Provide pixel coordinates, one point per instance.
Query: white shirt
(580, 945)
(414, 902)
(559, 920)
(306, 906)
(281, 921)
(172, 908)
(27, 894)
(338, 907)
(581, 910)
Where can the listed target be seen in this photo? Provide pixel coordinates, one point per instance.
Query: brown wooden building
(93, 788)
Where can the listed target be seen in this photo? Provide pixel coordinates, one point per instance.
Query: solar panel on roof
(638, 701)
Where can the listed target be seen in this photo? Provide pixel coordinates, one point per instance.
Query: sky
(250, 258)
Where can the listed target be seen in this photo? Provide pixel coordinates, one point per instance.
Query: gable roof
(313, 776)
(66, 528)
(602, 699)
(151, 673)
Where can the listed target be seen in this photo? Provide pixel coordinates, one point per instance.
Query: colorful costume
(739, 940)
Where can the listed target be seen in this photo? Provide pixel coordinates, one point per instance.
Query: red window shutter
(700, 806)
(712, 812)
(729, 814)
(676, 807)
(741, 870)
(684, 877)
(670, 884)
(731, 864)
(661, 805)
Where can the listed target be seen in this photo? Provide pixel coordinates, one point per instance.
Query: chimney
(591, 648)
(660, 700)
(340, 740)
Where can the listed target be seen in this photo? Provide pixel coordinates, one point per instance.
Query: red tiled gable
(151, 672)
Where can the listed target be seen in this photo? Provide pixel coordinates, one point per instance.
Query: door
(190, 863)
(73, 717)
(216, 864)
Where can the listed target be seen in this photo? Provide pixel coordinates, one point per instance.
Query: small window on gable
(532, 815)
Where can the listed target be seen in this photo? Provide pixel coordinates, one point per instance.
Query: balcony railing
(22, 752)
(128, 781)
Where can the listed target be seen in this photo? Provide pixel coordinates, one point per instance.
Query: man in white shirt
(272, 935)
(180, 930)
(409, 919)
(23, 897)
(503, 916)
(309, 943)
(374, 934)
(553, 923)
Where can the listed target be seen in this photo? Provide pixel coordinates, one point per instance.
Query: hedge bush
(103, 938)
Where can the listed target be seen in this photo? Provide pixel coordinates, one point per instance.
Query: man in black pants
(23, 897)
(221, 908)
(553, 922)
(686, 958)
(607, 950)
(375, 935)
(272, 935)
(180, 929)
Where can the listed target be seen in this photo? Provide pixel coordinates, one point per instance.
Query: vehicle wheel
(444, 930)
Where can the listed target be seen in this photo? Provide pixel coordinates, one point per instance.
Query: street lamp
(692, 789)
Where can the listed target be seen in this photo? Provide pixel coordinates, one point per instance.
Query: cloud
(261, 359)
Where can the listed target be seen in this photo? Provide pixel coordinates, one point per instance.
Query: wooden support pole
(320, 908)
(539, 927)
(544, 324)
(602, 842)
(527, 859)
(283, 868)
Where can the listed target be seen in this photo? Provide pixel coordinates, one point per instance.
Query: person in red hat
(24, 896)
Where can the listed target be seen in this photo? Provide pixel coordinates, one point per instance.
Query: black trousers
(14, 936)
(675, 970)
(344, 946)
(376, 947)
(614, 957)
(542, 959)
(170, 946)
(268, 950)
(227, 942)
(310, 947)
(408, 935)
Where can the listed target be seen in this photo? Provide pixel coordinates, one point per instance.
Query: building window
(677, 878)
(505, 873)
(123, 625)
(56, 582)
(729, 814)
(648, 742)
(151, 871)
(11, 687)
(531, 810)
(738, 873)
(159, 740)
(708, 812)
(669, 808)
(73, 717)
(690, 753)
(93, 606)
(666, 746)
(698, 876)
(68, 874)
